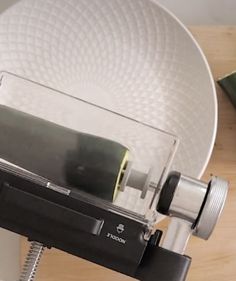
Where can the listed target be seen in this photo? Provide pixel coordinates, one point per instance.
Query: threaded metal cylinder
(32, 261)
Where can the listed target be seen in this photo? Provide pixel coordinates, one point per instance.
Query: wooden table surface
(214, 260)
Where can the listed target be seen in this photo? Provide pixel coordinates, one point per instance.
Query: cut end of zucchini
(120, 174)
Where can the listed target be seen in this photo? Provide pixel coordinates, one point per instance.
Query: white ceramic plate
(131, 56)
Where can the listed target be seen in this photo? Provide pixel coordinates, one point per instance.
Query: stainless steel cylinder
(194, 206)
(188, 198)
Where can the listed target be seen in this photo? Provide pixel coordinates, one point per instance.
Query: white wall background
(220, 12)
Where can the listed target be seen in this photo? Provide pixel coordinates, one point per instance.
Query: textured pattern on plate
(128, 55)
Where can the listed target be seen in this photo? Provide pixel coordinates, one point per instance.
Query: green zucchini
(65, 157)
(228, 84)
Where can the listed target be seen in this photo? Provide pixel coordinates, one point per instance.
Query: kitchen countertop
(214, 260)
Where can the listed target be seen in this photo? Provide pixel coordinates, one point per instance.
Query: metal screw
(32, 262)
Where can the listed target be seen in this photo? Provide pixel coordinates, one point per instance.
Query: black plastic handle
(18, 202)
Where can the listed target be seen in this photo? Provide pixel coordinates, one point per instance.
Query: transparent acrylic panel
(117, 163)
